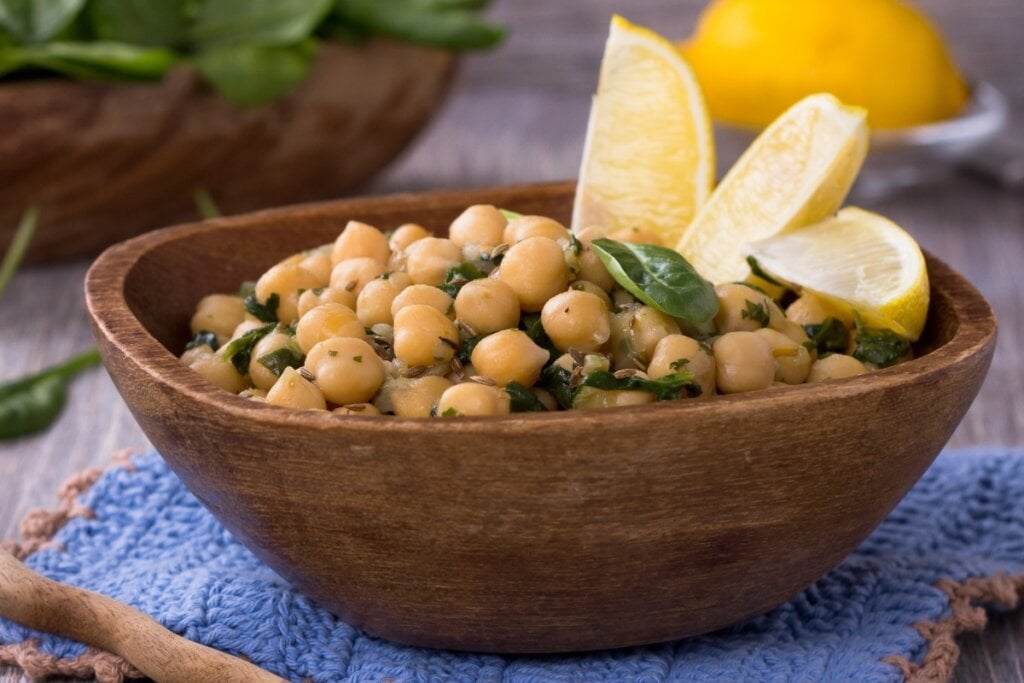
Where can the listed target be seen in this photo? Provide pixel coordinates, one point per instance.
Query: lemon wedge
(797, 172)
(858, 261)
(648, 161)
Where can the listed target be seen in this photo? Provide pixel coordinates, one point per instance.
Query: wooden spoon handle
(37, 602)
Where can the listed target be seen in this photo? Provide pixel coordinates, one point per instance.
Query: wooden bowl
(107, 161)
(537, 532)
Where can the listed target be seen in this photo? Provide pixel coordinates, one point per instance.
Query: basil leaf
(257, 23)
(31, 404)
(278, 360)
(151, 23)
(456, 277)
(34, 21)
(556, 380)
(409, 20)
(239, 351)
(659, 277)
(18, 245)
(465, 352)
(97, 61)
(267, 312)
(203, 338)
(756, 312)
(667, 388)
(249, 75)
(531, 325)
(522, 400)
(880, 346)
(830, 336)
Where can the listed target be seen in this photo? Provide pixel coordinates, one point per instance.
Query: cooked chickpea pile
(505, 314)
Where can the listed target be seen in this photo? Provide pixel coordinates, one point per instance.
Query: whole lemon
(754, 58)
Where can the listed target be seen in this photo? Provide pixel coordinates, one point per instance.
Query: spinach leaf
(509, 215)
(91, 61)
(207, 208)
(830, 336)
(31, 404)
(880, 346)
(239, 351)
(267, 312)
(249, 74)
(531, 325)
(557, 380)
(465, 352)
(285, 357)
(522, 399)
(35, 21)
(456, 277)
(151, 23)
(18, 246)
(416, 22)
(257, 22)
(203, 338)
(667, 388)
(756, 312)
(659, 277)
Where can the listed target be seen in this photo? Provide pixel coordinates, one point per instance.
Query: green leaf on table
(92, 61)
(35, 21)
(31, 404)
(257, 22)
(660, 277)
(424, 23)
(18, 246)
(149, 23)
(249, 75)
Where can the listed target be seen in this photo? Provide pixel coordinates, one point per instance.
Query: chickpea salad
(514, 313)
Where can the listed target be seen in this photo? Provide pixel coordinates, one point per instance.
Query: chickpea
(744, 309)
(311, 298)
(793, 331)
(636, 236)
(353, 274)
(258, 395)
(589, 263)
(428, 260)
(424, 336)
(525, 227)
(677, 352)
(423, 295)
(327, 321)
(590, 398)
(285, 280)
(812, 310)
(744, 362)
(364, 409)
(359, 240)
(576, 319)
(260, 375)
(835, 366)
(509, 356)
(318, 261)
(196, 353)
(546, 399)
(481, 224)
(471, 398)
(635, 334)
(347, 370)
(792, 360)
(216, 370)
(293, 391)
(419, 396)
(487, 306)
(596, 290)
(406, 234)
(535, 270)
(373, 305)
(220, 314)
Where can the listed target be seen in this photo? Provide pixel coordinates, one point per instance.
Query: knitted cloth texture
(888, 612)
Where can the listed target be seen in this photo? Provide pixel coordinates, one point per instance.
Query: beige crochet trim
(966, 601)
(37, 531)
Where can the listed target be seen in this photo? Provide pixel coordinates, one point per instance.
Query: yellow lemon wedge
(757, 57)
(648, 161)
(858, 261)
(797, 172)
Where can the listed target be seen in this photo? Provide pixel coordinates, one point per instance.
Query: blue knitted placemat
(889, 611)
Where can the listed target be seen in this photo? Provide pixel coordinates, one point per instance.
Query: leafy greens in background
(251, 51)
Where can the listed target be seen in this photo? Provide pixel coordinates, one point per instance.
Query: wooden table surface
(518, 115)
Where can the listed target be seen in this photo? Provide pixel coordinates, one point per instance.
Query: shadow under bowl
(532, 532)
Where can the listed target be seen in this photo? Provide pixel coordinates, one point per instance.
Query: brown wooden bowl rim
(104, 291)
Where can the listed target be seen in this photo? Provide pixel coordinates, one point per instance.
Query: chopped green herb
(679, 363)
(266, 312)
(575, 245)
(757, 270)
(239, 351)
(465, 352)
(522, 400)
(756, 312)
(277, 360)
(556, 380)
(455, 278)
(877, 345)
(830, 336)
(203, 337)
(358, 359)
(510, 215)
(667, 388)
(247, 289)
(450, 412)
